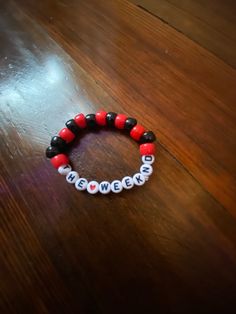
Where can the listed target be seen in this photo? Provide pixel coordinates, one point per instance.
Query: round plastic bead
(101, 118)
(81, 184)
(72, 126)
(91, 120)
(104, 187)
(116, 186)
(147, 137)
(80, 120)
(52, 151)
(129, 124)
(59, 160)
(147, 149)
(139, 179)
(137, 132)
(120, 121)
(148, 159)
(64, 169)
(127, 182)
(58, 142)
(67, 135)
(72, 177)
(110, 118)
(93, 187)
(146, 170)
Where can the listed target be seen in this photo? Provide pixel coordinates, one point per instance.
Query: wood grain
(169, 247)
(201, 117)
(210, 23)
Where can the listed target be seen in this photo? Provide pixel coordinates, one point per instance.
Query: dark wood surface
(210, 23)
(168, 247)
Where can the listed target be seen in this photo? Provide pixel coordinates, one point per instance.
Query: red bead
(67, 135)
(101, 118)
(80, 120)
(137, 131)
(147, 149)
(59, 160)
(120, 121)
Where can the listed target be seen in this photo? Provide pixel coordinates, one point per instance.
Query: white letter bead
(93, 187)
(64, 170)
(104, 187)
(72, 177)
(116, 186)
(146, 169)
(127, 183)
(139, 179)
(148, 159)
(81, 184)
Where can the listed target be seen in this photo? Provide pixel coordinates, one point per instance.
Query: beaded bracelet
(60, 143)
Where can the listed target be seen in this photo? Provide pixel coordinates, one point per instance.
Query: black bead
(147, 137)
(130, 123)
(91, 121)
(72, 126)
(58, 142)
(52, 151)
(110, 118)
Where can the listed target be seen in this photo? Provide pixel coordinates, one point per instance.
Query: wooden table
(168, 247)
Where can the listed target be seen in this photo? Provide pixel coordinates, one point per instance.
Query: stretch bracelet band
(60, 143)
